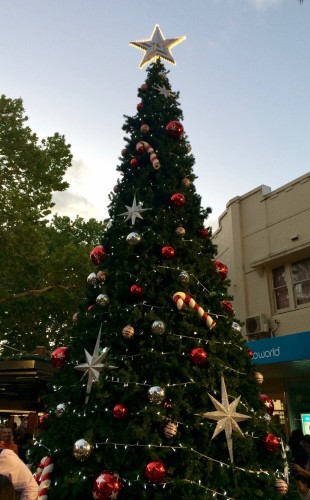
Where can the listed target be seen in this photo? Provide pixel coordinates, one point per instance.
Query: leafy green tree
(151, 417)
(41, 261)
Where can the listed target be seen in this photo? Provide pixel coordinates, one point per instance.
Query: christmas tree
(167, 403)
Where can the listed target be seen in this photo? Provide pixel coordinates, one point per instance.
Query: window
(301, 281)
(291, 284)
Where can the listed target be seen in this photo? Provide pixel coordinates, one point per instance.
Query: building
(264, 239)
(24, 381)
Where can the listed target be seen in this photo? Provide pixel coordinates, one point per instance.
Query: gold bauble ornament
(180, 231)
(186, 182)
(128, 332)
(170, 430)
(259, 377)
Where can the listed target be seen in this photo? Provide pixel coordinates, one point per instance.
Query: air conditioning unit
(257, 324)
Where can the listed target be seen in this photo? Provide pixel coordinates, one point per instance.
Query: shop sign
(280, 349)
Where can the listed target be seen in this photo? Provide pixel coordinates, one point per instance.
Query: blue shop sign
(280, 349)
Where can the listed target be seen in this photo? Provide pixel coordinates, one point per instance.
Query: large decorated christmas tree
(157, 396)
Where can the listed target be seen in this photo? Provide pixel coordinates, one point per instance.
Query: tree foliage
(40, 258)
(165, 252)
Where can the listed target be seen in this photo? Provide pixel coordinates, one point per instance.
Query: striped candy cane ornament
(43, 476)
(145, 146)
(182, 300)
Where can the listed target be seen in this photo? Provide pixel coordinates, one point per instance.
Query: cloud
(72, 204)
(265, 4)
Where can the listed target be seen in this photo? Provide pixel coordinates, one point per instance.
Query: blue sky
(243, 74)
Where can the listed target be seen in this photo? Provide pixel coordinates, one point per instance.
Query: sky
(243, 74)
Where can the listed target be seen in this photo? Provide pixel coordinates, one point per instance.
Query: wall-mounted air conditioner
(257, 324)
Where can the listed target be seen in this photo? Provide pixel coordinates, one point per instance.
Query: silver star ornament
(226, 417)
(157, 47)
(164, 91)
(134, 211)
(95, 364)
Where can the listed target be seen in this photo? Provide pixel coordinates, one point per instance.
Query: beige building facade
(264, 239)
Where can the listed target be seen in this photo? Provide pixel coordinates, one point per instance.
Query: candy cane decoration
(182, 299)
(43, 476)
(145, 146)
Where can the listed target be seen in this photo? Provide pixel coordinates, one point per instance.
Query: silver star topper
(94, 365)
(226, 416)
(134, 211)
(164, 91)
(157, 47)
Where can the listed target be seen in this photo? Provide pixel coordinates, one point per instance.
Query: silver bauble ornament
(60, 409)
(158, 327)
(82, 449)
(92, 279)
(184, 277)
(156, 395)
(170, 430)
(102, 300)
(235, 326)
(133, 238)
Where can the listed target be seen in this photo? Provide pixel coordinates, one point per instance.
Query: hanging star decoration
(226, 417)
(134, 212)
(157, 47)
(95, 364)
(164, 91)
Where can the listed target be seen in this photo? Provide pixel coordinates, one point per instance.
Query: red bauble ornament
(43, 421)
(168, 405)
(140, 105)
(250, 353)
(227, 306)
(198, 356)
(134, 162)
(136, 290)
(97, 254)
(268, 403)
(120, 412)
(175, 129)
(107, 485)
(167, 252)
(60, 356)
(204, 233)
(221, 269)
(155, 472)
(144, 87)
(91, 308)
(270, 443)
(177, 199)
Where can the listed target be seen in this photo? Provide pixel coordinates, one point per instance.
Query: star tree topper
(226, 417)
(94, 365)
(134, 211)
(157, 47)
